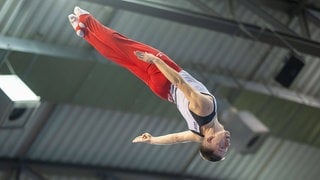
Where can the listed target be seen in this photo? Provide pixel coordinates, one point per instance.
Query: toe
(80, 33)
(81, 25)
(73, 20)
(78, 11)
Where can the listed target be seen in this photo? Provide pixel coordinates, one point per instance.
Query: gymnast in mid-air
(167, 80)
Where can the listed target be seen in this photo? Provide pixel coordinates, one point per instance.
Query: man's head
(214, 147)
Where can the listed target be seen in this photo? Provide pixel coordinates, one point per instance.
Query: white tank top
(183, 104)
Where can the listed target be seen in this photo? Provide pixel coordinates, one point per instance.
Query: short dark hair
(208, 154)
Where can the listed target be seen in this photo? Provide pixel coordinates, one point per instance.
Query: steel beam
(311, 10)
(304, 24)
(77, 169)
(40, 48)
(38, 127)
(29, 173)
(261, 88)
(254, 7)
(217, 24)
(282, 5)
(311, 16)
(204, 7)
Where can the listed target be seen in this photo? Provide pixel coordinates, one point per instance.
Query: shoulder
(191, 136)
(199, 103)
(187, 136)
(202, 104)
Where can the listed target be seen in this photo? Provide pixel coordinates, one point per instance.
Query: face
(220, 143)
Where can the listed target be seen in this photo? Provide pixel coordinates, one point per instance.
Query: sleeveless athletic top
(194, 121)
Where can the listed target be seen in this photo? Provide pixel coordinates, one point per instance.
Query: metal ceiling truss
(34, 168)
(311, 16)
(204, 7)
(40, 48)
(304, 25)
(254, 7)
(231, 27)
(261, 88)
(305, 12)
(300, 11)
(13, 44)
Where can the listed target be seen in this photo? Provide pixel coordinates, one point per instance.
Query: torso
(194, 121)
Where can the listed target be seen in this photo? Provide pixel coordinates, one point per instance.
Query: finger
(139, 54)
(137, 139)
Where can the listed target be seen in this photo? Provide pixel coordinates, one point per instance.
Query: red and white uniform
(120, 49)
(194, 121)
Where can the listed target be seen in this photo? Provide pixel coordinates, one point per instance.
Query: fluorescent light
(16, 89)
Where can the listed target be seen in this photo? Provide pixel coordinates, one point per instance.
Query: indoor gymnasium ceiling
(91, 109)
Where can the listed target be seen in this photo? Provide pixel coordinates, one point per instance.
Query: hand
(144, 138)
(144, 56)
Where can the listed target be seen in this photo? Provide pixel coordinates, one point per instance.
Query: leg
(120, 50)
(108, 50)
(122, 45)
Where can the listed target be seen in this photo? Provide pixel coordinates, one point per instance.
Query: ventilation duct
(247, 132)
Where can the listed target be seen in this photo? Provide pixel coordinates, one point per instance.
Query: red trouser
(120, 49)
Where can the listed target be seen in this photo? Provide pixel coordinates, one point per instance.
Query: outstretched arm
(181, 137)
